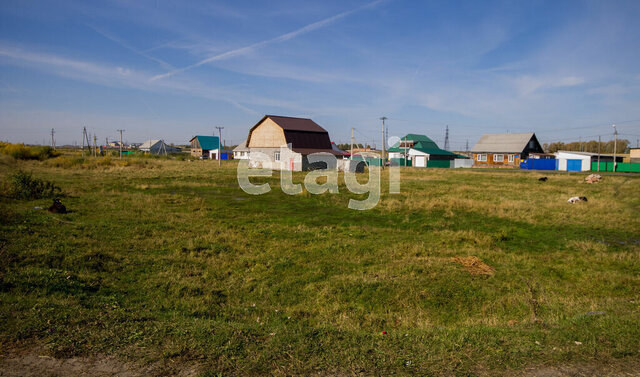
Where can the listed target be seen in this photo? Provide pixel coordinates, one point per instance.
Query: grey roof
(149, 143)
(506, 143)
(242, 147)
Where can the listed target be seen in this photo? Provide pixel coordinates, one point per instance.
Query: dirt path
(623, 368)
(32, 363)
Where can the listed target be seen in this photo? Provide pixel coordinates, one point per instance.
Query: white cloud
(526, 85)
(282, 38)
(117, 76)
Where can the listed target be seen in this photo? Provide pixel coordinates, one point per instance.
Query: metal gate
(574, 165)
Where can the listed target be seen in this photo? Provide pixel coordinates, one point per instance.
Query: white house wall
(241, 155)
(289, 160)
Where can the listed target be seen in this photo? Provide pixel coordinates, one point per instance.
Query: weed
(22, 185)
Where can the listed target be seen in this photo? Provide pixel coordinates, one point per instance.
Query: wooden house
(205, 147)
(504, 150)
(286, 142)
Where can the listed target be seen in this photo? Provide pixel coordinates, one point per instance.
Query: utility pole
(84, 132)
(446, 139)
(121, 131)
(53, 141)
(467, 146)
(351, 154)
(383, 141)
(386, 135)
(219, 145)
(599, 143)
(405, 151)
(95, 145)
(615, 144)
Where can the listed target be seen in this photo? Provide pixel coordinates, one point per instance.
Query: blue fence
(539, 164)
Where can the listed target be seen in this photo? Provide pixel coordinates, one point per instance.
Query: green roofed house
(205, 147)
(420, 151)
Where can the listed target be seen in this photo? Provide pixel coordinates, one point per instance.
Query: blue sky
(172, 69)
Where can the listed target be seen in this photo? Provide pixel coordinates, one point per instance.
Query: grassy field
(170, 262)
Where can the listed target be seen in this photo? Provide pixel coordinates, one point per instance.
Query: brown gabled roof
(294, 124)
(304, 139)
(301, 133)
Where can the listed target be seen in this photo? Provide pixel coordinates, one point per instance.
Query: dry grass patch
(474, 265)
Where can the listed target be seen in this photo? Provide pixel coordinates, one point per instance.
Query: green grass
(169, 260)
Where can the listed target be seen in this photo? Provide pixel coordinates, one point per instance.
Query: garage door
(421, 162)
(574, 165)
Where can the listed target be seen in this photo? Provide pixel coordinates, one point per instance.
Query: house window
(277, 156)
(512, 158)
(482, 157)
(498, 158)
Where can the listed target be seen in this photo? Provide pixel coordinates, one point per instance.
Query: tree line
(588, 146)
(347, 147)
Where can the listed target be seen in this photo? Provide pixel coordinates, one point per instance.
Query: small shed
(582, 161)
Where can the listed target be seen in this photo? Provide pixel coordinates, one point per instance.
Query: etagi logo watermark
(261, 165)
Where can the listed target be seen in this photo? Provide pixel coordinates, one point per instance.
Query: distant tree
(587, 146)
(346, 147)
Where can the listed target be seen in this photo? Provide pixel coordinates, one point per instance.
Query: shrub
(5, 159)
(25, 152)
(21, 185)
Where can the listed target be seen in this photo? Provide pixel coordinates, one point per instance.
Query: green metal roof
(422, 144)
(208, 142)
(436, 150)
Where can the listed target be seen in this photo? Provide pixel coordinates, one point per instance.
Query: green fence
(438, 163)
(624, 167)
(400, 162)
(374, 161)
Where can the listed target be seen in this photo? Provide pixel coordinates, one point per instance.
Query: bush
(25, 152)
(21, 185)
